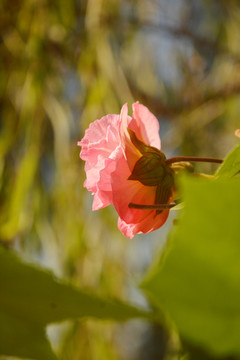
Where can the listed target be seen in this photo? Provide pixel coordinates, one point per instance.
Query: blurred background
(64, 64)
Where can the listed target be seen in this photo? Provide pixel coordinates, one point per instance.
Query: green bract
(143, 148)
(150, 169)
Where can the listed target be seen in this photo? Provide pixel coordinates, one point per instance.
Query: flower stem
(193, 159)
(151, 207)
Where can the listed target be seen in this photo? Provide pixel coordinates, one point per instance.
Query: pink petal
(126, 229)
(98, 146)
(101, 199)
(125, 191)
(145, 125)
(150, 223)
(131, 152)
(104, 186)
(101, 138)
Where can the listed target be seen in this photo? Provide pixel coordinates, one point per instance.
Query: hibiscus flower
(125, 167)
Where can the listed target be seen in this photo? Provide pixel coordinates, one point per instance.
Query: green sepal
(143, 148)
(164, 190)
(150, 169)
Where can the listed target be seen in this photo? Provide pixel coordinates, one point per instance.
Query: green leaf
(231, 165)
(198, 282)
(23, 339)
(32, 298)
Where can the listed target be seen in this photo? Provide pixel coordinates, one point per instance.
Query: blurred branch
(196, 39)
(159, 107)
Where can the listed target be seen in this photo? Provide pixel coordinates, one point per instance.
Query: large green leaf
(231, 165)
(198, 281)
(23, 338)
(32, 298)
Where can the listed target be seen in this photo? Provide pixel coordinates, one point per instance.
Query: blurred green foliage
(32, 298)
(62, 65)
(198, 283)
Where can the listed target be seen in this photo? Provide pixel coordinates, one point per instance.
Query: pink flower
(125, 167)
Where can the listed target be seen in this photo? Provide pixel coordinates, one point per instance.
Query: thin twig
(193, 159)
(151, 207)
